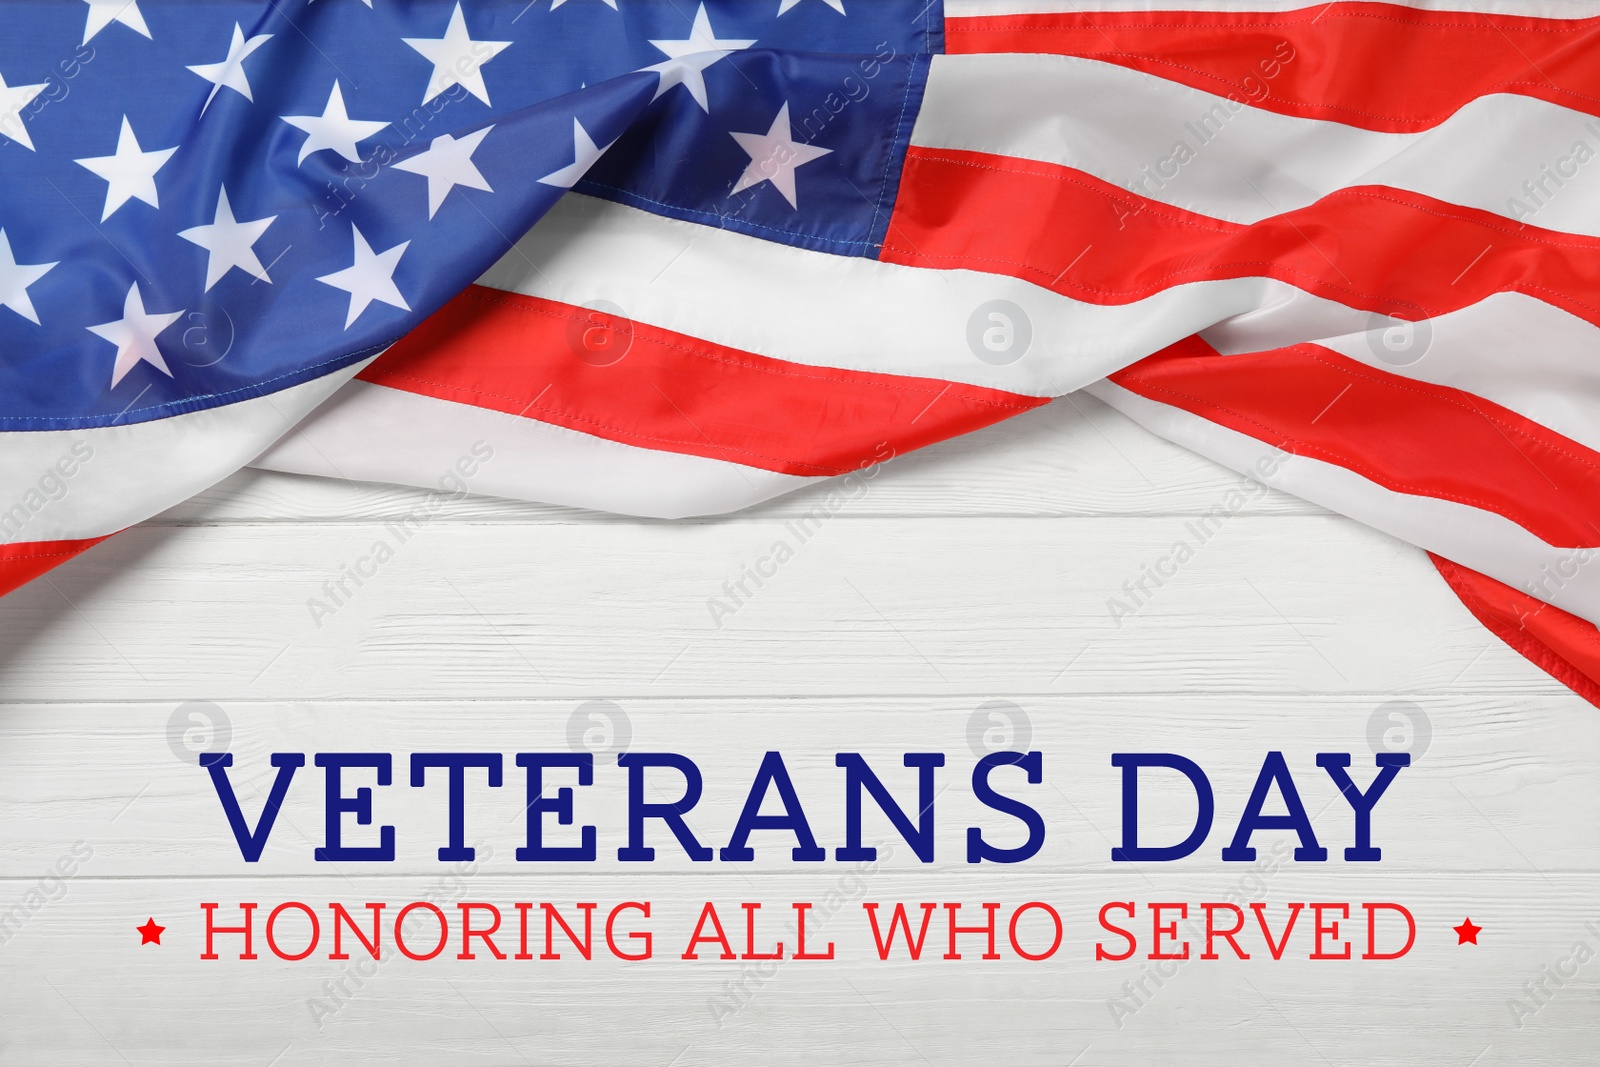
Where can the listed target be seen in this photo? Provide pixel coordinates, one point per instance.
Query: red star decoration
(1466, 933)
(150, 933)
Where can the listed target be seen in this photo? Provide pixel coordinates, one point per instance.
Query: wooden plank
(1281, 604)
(1500, 773)
(78, 988)
(976, 571)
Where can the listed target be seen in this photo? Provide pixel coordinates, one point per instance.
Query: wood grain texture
(170, 1007)
(976, 571)
(870, 606)
(1472, 772)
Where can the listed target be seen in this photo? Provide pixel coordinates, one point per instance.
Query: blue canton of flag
(207, 202)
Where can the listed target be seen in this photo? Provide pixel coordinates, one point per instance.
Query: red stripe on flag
(1562, 645)
(24, 561)
(1406, 435)
(1376, 66)
(1369, 247)
(642, 385)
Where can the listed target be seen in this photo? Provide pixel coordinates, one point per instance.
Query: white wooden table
(973, 572)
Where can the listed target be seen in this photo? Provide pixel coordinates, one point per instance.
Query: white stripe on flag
(763, 297)
(138, 470)
(529, 460)
(1489, 350)
(1244, 164)
(821, 309)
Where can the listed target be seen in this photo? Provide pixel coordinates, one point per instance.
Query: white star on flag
(774, 155)
(612, 4)
(229, 243)
(103, 13)
(13, 98)
(688, 59)
(370, 278)
(15, 278)
(130, 174)
(584, 154)
(135, 336)
(457, 59)
(334, 129)
(446, 164)
(786, 5)
(230, 72)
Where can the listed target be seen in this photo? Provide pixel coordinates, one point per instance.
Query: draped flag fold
(678, 259)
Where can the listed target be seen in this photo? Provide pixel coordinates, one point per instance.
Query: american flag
(676, 258)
